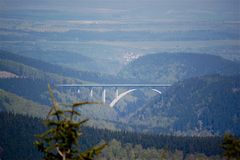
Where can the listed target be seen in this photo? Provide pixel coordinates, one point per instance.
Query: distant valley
(198, 85)
(164, 77)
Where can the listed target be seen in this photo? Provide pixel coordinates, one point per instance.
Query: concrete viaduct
(117, 95)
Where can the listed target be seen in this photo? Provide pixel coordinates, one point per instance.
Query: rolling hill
(25, 71)
(136, 111)
(170, 68)
(73, 60)
(30, 78)
(12, 103)
(207, 105)
(60, 70)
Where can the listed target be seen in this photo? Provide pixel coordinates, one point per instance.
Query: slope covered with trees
(208, 103)
(13, 103)
(35, 90)
(169, 68)
(59, 70)
(25, 71)
(18, 138)
(117, 150)
(152, 116)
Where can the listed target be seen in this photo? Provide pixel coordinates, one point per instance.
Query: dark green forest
(56, 69)
(17, 136)
(206, 104)
(173, 67)
(197, 111)
(119, 80)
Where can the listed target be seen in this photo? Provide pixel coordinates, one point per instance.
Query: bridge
(117, 95)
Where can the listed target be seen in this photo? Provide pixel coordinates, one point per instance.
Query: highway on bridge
(117, 95)
(114, 85)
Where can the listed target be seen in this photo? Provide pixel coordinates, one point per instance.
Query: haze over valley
(109, 31)
(191, 47)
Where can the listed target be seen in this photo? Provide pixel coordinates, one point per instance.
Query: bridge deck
(113, 85)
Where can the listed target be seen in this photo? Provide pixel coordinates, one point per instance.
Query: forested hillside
(24, 71)
(207, 97)
(18, 138)
(208, 104)
(59, 70)
(12, 103)
(117, 150)
(32, 89)
(163, 78)
(36, 91)
(172, 67)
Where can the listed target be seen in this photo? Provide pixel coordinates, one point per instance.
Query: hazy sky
(220, 8)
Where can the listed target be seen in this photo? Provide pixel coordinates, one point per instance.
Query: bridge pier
(104, 96)
(112, 104)
(91, 93)
(116, 93)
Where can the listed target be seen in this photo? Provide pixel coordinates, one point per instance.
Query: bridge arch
(118, 97)
(156, 90)
(112, 104)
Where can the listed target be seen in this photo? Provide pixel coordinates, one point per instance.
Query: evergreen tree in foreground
(60, 141)
(231, 146)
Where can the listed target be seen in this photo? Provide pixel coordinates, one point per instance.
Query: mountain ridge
(60, 70)
(209, 104)
(12, 103)
(172, 67)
